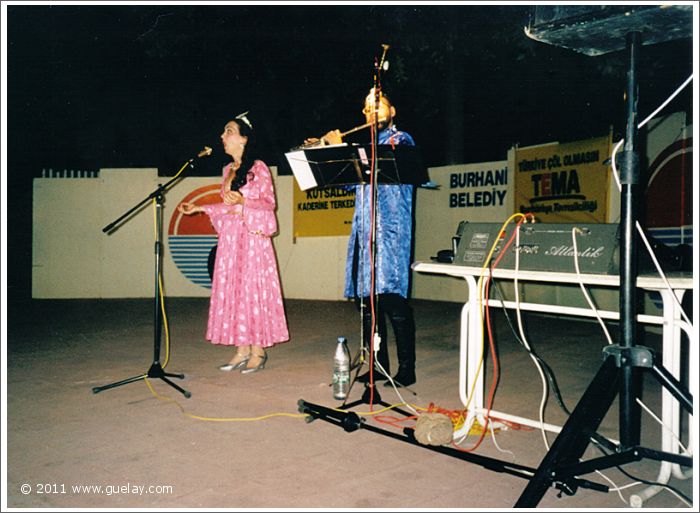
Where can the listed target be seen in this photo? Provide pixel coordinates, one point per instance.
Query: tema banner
(564, 182)
(323, 212)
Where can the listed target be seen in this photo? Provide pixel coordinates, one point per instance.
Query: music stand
(623, 363)
(348, 164)
(351, 164)
(156, 370)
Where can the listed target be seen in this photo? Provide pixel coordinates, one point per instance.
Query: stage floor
(126, 448)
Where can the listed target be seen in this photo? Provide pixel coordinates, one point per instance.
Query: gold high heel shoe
(233, 366)
(260, 366)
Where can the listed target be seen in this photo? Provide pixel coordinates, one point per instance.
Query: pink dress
(246, 299)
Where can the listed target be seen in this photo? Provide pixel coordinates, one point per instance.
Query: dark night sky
(91, 86)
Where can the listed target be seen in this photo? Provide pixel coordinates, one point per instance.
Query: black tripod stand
(623, 363)
(371, 393)
(156, 370)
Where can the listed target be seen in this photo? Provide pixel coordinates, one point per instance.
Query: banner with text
(478, 186)
(563, 182)
(323, 212)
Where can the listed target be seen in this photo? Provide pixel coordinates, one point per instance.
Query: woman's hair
(249, 154)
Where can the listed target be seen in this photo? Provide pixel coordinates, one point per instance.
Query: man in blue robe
(393, 239)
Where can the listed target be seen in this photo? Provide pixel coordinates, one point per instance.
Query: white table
(472, 337)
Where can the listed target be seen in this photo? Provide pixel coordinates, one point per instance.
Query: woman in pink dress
(246, 308)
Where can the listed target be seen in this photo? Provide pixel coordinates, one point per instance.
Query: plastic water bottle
(341, 369)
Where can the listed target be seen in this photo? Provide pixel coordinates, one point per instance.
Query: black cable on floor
(547, 369)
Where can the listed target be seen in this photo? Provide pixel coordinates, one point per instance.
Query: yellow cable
(160, 278)
(250, 419)
(219, 419)
(165, 323)
(160, 285)
(370, 413)
(475, 429)
(481, 300)
(182, 168)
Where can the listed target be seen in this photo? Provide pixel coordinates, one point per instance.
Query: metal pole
(630, 181)
(157, 318)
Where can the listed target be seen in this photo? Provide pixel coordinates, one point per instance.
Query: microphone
(384, 64)
(205, 152)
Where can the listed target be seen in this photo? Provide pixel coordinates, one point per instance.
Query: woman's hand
(188, 208)
(233, 198)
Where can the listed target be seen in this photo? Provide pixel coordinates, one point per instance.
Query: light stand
(156, 370)
(623, 363)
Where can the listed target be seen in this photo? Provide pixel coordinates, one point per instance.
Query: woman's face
(232, 139)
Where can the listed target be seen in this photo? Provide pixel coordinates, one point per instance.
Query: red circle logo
(191, 239)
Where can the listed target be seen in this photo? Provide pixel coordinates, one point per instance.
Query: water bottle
(341, 369)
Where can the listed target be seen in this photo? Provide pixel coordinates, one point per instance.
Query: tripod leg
(574, 437)
(677, 390)
(184, 392)
(180, 376)
(118, 383)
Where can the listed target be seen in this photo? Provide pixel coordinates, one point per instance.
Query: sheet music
(363, 155)
(301, 169)
(343, 164)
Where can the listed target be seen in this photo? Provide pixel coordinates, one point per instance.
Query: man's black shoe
(378, 376)
(401, 380)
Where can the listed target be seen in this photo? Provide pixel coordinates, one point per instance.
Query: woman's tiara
(243, 117)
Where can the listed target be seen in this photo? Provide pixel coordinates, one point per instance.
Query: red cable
(494, 379)
(394, 421)
(372, 205)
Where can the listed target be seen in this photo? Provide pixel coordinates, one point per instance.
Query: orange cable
(494, 379)
(373, 323)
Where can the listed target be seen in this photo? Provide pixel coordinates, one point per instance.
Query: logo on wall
(669, 194)
(192, 238)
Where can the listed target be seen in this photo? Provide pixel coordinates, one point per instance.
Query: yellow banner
(323, 212)
(564, 182)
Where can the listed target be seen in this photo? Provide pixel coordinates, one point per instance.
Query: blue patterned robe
(393, 233)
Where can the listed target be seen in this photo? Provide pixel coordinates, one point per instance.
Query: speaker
(598, 29)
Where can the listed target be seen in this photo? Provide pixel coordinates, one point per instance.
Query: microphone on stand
(384, 64)
(204, 153)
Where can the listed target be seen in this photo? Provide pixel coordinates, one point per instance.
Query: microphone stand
(156, 370)
(371, 394)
